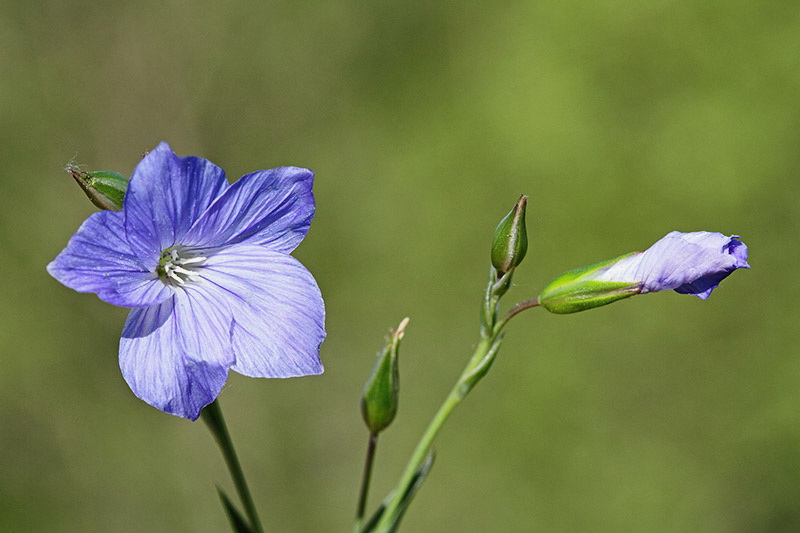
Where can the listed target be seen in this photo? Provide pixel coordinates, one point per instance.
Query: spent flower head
(205, 268)
(379, 401)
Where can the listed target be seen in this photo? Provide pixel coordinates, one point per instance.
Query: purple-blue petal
(165, 196)
(272, 208)
(176, 356)
(702, 287)
(98, 259)
(279, 315)
(690, 263)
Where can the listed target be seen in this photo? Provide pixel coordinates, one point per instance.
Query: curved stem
(517, 309)
(212, 416)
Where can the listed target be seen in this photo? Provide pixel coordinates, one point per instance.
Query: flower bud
(578, 290)
(105, 189)
(688, 263)
(510, 239)
(380, 397)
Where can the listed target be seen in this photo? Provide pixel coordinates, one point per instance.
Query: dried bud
(380, 398)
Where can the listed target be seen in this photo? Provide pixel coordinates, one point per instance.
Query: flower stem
(520, 307)
(362, 498)
(476, 368)
(463, 385)
(212, 416)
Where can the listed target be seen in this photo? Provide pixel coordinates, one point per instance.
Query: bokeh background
(424, 121)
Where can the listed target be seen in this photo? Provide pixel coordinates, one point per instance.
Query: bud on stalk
(510, 242)
(381, 392)
(105, 189)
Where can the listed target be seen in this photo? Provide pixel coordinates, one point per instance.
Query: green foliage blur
(424, 122)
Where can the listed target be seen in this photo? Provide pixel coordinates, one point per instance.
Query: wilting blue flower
(688, 263)
(205, 267)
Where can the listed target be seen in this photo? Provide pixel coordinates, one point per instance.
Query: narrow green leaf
(481, 369)
(411, 491)
(238, 523)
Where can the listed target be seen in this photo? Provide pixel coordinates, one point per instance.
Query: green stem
(476, 368)
(362, 498)
(457, 394)
(212, 416)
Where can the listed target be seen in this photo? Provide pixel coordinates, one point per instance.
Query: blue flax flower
(205, 268)
(688, 263)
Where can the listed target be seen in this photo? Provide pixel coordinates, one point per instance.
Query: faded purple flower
(688, 263)
(205, 267)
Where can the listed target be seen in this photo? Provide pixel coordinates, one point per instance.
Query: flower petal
(703, 286)
(268, 207)
(690, 263)
(165, 196)
(279, 315)
(98, 259)
(176, 356)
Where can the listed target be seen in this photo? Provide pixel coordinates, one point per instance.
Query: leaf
(238, 523)
(411, 491)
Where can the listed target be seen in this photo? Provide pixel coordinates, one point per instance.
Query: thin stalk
(212, 416)
(362, 498)
(425, 443)
(476, 368)
(520, 307)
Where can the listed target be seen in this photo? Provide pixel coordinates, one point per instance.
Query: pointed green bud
(105, 189)
(578, 290)
(380, 398)
(510, 239)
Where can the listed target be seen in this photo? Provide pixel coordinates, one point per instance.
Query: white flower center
(178, 266)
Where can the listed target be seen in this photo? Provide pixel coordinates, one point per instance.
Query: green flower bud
(510, 239)
(105, 189)
(380, 397)
(578, 290)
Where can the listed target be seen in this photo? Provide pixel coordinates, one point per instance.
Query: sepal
(577, 290)
(105, 189)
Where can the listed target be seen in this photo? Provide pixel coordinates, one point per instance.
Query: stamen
(183, 271)
(176, 277)
(192, 260)
(176, 270)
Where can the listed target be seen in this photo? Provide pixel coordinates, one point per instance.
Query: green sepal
(105, 189)
(380, 398)
(575, 290)
(510, 243)
(238, 523)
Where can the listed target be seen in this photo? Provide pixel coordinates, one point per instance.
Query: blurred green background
(424, 121)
